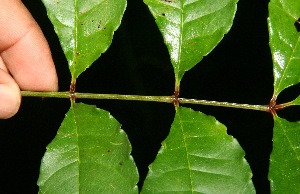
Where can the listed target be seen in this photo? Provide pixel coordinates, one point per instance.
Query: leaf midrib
(186, 151)
(75, 57)
(78, 150)
(180, 46)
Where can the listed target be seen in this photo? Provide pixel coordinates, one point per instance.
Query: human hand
(25, 58)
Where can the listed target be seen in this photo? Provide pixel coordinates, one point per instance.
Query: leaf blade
(89, 154)
(284, 43)
(284, 173)
(198, 156)
(85, 28)
(191, 28)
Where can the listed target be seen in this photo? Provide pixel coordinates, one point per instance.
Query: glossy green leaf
(284, 43)
(90, 154)
(199, 157)
(284, 173)
(191, 28)
(85, 28)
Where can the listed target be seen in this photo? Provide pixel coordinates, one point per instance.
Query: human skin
(25, 58)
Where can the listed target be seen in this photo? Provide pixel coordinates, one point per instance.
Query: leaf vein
(289, 61)
(200, 15)
(58, 170)
(289, 141)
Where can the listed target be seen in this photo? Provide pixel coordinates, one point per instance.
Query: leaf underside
(199, 157)
(284, 174)
(284, 43)
(90, 154)
(85, 28)
(191, 28)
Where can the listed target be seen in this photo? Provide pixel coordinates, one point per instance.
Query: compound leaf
(284, 173)
(85, 28)
(284, 43)
(90, 154)
(191, 28)
(199, 157)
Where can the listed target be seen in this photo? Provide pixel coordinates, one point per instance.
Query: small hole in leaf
(163, 14)
(297, 25)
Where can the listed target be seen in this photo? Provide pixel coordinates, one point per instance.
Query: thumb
(10, 96)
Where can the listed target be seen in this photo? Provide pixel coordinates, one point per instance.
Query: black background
(238, 70)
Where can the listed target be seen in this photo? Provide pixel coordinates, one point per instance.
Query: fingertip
(10, 100)
(24, 49)
(33, 69)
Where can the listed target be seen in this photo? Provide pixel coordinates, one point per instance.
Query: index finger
(24, 49)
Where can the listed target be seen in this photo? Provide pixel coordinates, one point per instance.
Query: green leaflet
(90, 154)
(284, 173)
(199, 157)
(284, 43)
(85, 28)
(191, 28)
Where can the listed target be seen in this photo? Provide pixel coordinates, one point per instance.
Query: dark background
(238, 70)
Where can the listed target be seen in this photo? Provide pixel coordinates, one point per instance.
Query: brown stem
(272, 106)
(72, 91)
(176, 96)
